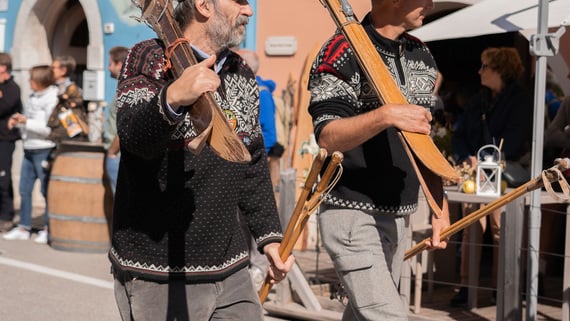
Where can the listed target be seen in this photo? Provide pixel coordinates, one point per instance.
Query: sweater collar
(390, 47)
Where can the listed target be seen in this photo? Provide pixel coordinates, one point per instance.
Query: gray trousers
(230, 299)
(367, 252)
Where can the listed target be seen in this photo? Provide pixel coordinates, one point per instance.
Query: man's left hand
(439, 224)
(277, 268)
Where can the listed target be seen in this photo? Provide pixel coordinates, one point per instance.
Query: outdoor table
(509, 299)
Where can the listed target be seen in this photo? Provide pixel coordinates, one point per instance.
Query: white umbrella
(490, 17)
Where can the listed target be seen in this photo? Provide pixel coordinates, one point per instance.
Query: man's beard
(224, 36)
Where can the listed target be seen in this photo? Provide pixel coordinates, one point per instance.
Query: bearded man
(178, 252)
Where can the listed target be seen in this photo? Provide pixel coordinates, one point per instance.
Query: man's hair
(184, 12)
(42, 75)
(6, 60)
(118, 54)
(68, 62)
(504, 60)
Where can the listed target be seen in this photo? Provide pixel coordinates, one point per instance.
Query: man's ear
(204, 7)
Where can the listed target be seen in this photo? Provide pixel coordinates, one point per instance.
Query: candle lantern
(488, 177)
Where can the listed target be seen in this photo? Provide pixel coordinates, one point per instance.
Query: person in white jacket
(37, 148)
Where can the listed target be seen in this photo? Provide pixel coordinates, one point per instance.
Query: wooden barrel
(79, 202)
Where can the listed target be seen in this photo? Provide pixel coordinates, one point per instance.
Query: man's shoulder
(146, 48)
(413, 39)
(336, 48)
(12, 85)
(338, 40)
(145, 57)
(149, 43)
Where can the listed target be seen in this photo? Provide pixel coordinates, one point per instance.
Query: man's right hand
(194, 81)
(410, 118)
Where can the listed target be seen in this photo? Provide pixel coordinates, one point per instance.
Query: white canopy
(492, 16)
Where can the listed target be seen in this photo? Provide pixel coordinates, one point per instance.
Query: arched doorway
(45, 29)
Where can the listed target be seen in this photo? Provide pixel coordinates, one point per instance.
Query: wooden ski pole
(311, 205)
(312, 177)
(548, 175)
(305, 206)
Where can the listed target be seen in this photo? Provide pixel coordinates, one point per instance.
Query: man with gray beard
(178, 252)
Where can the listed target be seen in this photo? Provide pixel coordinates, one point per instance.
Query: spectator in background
(442, 125)
(502, 110)
(273, 149)
(553, 95)
(63, 67)
(258, 262)
(10, 104)
(437, 100)
(557, 135)
(70, 98)
(113, 156)
(37, 149)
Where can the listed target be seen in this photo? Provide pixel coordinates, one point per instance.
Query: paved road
(38, 283)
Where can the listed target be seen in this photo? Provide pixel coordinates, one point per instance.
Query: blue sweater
(267, 112)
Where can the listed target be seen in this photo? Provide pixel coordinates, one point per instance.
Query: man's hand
(194, 81)
(16, 119)
(410, 118)
(438, 225)
(277, 268)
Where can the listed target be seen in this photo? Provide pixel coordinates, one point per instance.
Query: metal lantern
(488, 178)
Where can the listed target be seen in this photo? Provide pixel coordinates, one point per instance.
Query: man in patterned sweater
(178, 252)
(366, 216)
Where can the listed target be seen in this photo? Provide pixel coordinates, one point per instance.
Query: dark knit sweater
(176, 213)
(377, 175)
(10, 104)
(508, 116)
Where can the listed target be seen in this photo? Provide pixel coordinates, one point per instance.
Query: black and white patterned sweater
(176, 213)
(377, 175)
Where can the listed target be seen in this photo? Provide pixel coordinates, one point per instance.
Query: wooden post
(509, 272)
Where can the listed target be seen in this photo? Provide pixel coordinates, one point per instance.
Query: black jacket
(10, 104)
(508, 117)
